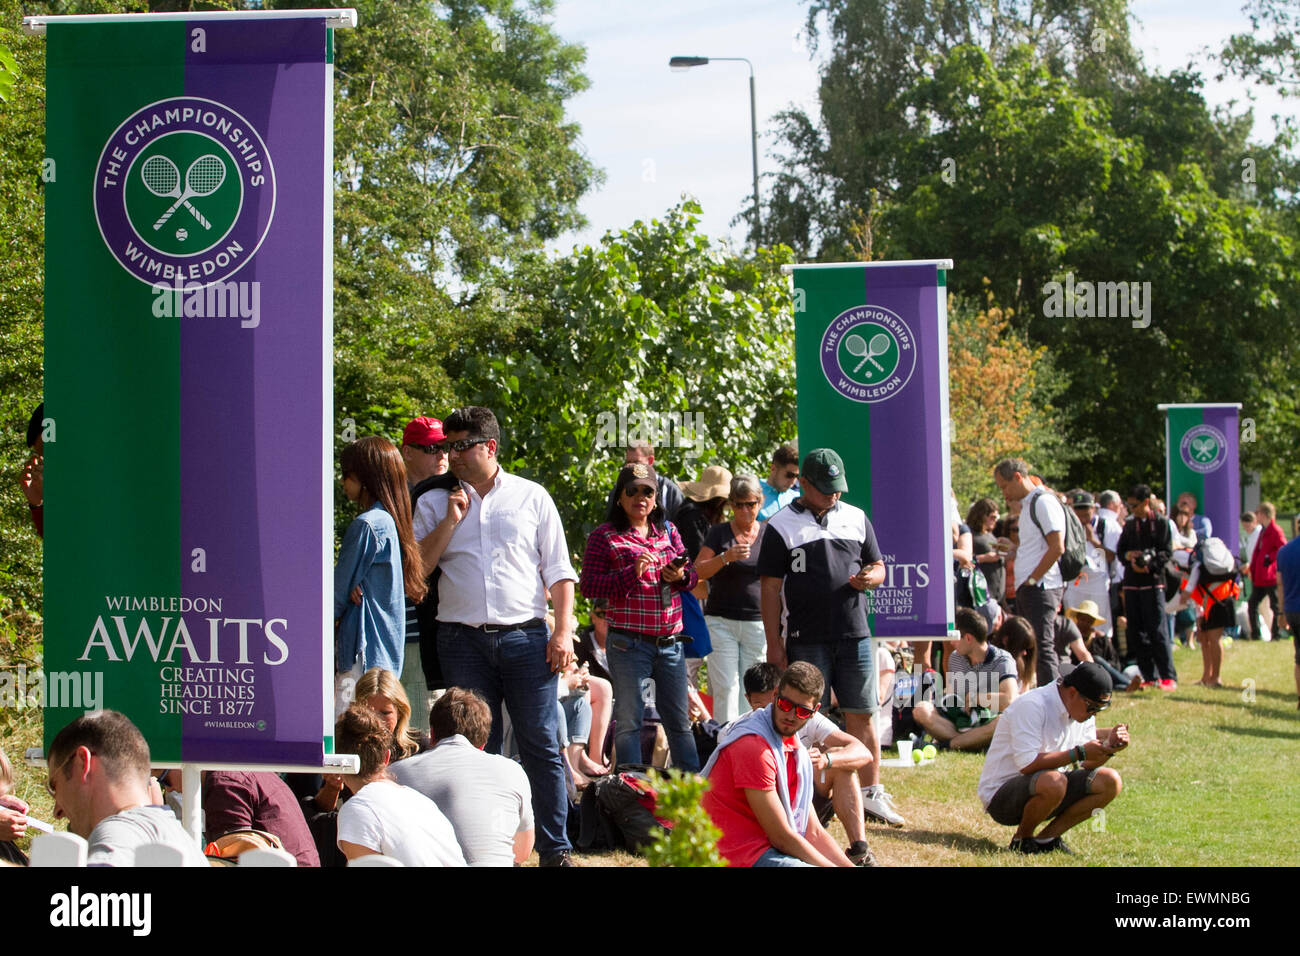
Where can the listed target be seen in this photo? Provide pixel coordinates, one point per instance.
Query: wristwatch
(1031, 581)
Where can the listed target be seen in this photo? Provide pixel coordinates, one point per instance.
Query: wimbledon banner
(871, 354)
(188, 378)
(1201, 457)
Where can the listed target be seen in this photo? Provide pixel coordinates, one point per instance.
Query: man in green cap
(820, 554)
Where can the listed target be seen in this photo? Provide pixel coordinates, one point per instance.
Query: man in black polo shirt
(820, 554)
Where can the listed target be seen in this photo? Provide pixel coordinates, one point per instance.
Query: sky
(658, 133)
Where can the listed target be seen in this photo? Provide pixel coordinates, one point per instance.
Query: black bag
(625, 800)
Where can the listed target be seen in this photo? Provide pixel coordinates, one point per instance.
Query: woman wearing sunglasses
(729, 561)
(636, 560)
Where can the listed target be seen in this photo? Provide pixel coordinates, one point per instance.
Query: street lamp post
(685, 63)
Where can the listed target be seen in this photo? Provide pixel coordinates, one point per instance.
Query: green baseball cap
(824, 470)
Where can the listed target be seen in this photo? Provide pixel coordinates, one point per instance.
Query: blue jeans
(511, 666)
(575, 716)
(849, 667)
(775, 857)
(632, 663)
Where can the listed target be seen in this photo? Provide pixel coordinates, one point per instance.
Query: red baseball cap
(423, 431)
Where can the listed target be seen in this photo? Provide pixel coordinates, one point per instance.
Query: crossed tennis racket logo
(204, 177)
(858, 347)
(1204, 448)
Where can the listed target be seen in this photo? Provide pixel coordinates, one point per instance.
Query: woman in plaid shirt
(637, 562)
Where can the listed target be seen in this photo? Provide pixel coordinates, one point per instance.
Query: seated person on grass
(761, 782)
(836, 756)
(1045, 761)
(983, 684)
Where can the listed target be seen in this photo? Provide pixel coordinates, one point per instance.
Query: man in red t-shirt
(766, 819)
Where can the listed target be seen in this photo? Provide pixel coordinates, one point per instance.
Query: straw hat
(1086, 609)
(715, 482)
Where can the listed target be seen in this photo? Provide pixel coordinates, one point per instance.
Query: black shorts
(1008, 804)
(1218, 614)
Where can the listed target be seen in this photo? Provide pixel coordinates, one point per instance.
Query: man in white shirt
(1045, 761)
(1110, 509)
(1042, 542)
(485, 796)
(498, 540)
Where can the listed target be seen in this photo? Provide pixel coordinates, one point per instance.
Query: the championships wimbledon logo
(184, 189)
(1204, 448)
(868, 354)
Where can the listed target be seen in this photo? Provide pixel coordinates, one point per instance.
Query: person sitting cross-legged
(984, 683)
(1046, 760)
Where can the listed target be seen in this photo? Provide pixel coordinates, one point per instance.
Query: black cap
(1090, 681)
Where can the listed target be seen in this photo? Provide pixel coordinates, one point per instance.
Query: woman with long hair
(982, 519)
(637, 561)
(1016, 637)
(378, 565)
(382, 692)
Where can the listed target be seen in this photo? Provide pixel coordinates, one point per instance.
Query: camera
(1145, 560)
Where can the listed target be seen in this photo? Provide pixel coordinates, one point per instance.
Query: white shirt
(1111, 531)
(490, 569)
(399, 822)
(1050, 513)
(1251, 541)
(1036, 722)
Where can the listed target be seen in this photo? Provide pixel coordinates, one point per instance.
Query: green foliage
(655, 319)
(693, 840)
(1026, 142)
(1267, 54)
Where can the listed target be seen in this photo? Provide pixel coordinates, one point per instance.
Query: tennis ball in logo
(261, 725)
(183, 193)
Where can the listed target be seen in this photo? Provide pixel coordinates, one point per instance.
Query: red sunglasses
(803, 713)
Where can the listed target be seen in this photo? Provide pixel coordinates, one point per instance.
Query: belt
(666, 640)
(499, 628)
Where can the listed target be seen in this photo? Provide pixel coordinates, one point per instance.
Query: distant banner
(871, 350)
(1201, 457)
(188, 380)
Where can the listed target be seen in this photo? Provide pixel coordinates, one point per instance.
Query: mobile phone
(678, 562)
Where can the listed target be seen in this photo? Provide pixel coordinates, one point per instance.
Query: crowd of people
(455, 599)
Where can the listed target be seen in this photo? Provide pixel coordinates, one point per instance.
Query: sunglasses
(792, 474)
(465, 444)
(432, 449)
(1095, 706)
(803, 713)
(638, 491)
(745, 504)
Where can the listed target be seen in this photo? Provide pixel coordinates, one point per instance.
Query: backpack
(1215, 556)
(618, 809)
(1075, 557)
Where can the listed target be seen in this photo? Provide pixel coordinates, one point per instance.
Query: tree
(1268, 54)
(654, 333)
(1000, 397)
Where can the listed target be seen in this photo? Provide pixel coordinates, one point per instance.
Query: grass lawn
(1211, 779)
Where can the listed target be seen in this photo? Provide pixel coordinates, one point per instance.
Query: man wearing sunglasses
(499, 542)
(1046, 760)
(761, 782)
(781, 486)
(99, 778)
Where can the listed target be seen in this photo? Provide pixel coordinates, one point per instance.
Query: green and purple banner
(188, 330)
(871, 352)
(1201, 457)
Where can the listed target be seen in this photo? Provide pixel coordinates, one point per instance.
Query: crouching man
(1045, 761)
(761, 782)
